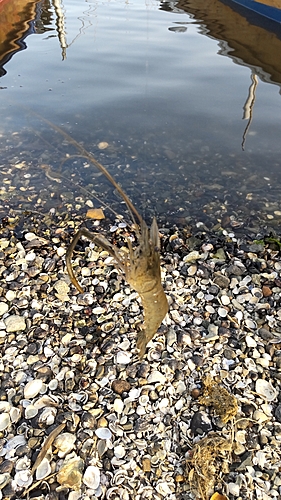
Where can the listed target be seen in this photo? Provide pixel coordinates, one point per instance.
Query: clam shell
(118, 405)
(32, 388)
(92, 477)
(30, 412)
(108, 327)
(119, 451)
(43, 469)
(5, 406)
(23, 478)
(4, 421)
(4, 480)
(266, 390)
(103, 433)
(15, 414)
(123, 357)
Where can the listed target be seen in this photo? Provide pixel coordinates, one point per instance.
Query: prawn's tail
(155, 307)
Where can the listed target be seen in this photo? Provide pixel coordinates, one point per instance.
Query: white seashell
(31, 411)
(15, 414)
(22, 463)
(163, 488)
(14, 442)
(239, 316)
(4, 480)
(234, 489)
(103, 433)
(222, 312)
(91, 477)
(30, 236)
(64, 443)
(250, 341)
(117, 297)
(45, 400)
(108, 327)
(48, 416)
(4, 421)
(53, 384)
(123, 357)
(23, 478)
(140, 410)
(240, 437)
(30, 256)
(225, 300)
(156, 376)
(119, 451)
(75, 495)
(266, 390)
(143, 400)
(260, 416)
(267, 409)
(43, 469)
(5, 406)
(163, 404)
(3, 308)
(250, 324)
(260, 459)
(118, 405)
(32, 388)
(134, 394)
(98, 310)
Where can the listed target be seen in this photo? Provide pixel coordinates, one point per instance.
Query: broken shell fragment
(64, 443)
(70, 475)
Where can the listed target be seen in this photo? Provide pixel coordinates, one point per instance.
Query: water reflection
(239, 36)
(19, 19)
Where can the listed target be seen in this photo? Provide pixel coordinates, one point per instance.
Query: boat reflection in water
(20, 18)
(249, 36)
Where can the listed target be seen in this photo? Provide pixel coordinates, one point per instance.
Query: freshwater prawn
(142, 272)
(141, 265)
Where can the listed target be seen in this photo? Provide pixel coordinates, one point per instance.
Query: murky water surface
(185, 94)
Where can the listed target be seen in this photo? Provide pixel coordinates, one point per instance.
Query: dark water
(165, 85)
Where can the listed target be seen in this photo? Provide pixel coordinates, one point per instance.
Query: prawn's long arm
(95, 238)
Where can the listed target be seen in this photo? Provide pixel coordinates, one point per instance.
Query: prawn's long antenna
(97, 164)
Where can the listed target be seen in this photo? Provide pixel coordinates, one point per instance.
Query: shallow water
(166, 90)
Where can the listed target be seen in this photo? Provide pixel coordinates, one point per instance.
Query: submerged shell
(43, 469)
(92, 477)
(266, 390)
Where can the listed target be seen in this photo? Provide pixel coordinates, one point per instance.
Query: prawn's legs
(100, 241)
